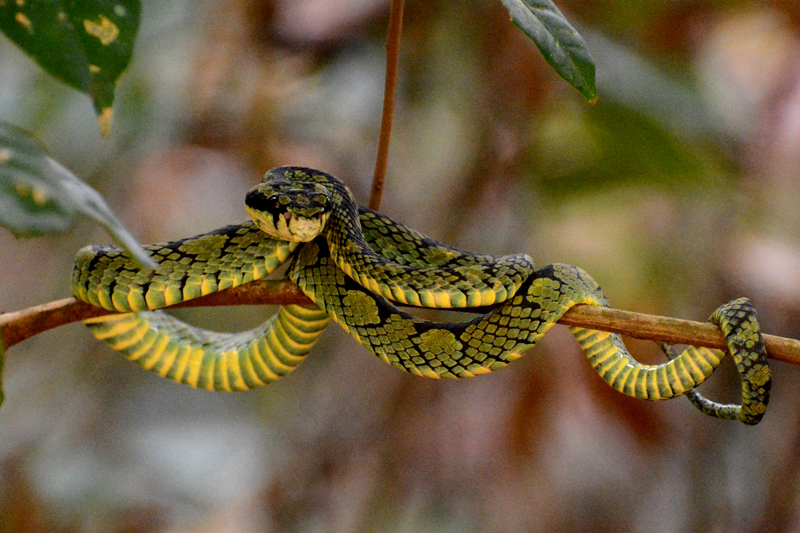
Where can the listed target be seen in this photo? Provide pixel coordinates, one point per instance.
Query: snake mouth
(302, 229)
(290, 226)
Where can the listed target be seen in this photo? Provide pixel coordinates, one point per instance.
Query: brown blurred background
(678, 191)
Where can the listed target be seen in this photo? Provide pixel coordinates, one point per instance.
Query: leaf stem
(389, 97)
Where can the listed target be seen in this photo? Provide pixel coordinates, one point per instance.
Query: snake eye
(258, 201)
(273, 203)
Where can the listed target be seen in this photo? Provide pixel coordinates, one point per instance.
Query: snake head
(289, 211)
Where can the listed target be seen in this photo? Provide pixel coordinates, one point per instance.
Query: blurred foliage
(677, 191)
(39, 196)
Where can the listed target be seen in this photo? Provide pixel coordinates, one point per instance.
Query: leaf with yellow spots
(39, 196)
(87, 45)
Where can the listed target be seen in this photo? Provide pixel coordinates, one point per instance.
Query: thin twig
(389, 95)
(20, 325)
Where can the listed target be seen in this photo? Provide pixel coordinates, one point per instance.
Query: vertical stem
(389, 92)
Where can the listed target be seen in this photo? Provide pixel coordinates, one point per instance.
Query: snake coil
(355, 265)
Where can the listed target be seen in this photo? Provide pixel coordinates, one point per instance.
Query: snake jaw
(302, 229)
(292, 227)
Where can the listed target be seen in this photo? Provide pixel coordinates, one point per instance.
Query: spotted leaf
(85, 44)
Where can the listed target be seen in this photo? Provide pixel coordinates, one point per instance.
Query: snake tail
(737, 320)
(209, 360)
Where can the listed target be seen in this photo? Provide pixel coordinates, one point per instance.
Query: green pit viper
(354, 264)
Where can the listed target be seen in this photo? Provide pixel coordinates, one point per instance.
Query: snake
(359, 267)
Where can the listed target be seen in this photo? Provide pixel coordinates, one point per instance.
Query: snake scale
(356, 265)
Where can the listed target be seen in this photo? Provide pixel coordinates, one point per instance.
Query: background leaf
(87, 45)
(560, 44)
(39, 196)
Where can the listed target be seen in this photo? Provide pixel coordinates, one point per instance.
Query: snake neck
(345, 237)
(442, 277)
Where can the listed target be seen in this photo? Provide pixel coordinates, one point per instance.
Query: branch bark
(20, 325)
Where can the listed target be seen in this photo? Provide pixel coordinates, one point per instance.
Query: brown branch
(670, 330)
(389, 94)
(20, 325)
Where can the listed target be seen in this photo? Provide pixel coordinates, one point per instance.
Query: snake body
(354, 264)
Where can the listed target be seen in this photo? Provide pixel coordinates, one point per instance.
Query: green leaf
(560, 44)
(39, 196)
(86, 44)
